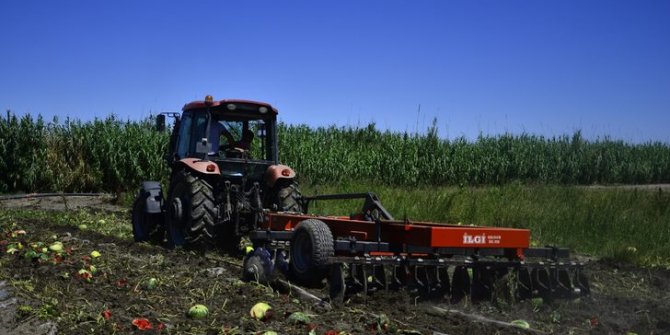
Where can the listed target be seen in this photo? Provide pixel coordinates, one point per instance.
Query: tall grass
(113, 155)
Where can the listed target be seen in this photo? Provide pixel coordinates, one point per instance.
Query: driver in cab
(243, 145)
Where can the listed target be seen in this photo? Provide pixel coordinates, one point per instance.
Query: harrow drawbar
(371, 251)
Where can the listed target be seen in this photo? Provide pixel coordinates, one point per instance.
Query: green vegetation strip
(115, 156)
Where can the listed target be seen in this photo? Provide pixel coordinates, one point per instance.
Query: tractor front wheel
(146, 226)
(191, 212)
(311, 248)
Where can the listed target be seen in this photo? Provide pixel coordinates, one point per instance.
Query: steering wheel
(234, 152)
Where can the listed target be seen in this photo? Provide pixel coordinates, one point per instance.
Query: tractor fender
(153, 194)
(201, 166)
(277, 172)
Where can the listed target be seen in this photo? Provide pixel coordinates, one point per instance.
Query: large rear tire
(287, 196)
(311, 248)
(191, 212)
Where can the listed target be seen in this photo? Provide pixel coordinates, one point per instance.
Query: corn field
(102, 155)
(113, 155)
(331, 154)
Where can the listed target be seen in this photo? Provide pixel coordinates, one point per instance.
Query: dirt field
(48, 293)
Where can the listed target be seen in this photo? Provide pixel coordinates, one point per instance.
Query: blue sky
(542, 67)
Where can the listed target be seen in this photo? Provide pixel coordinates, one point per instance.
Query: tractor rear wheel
(146, 226)
(287, 196)
(191, 212)
(311, 248)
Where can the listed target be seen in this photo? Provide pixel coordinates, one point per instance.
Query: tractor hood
(229, 168)
(234, 169)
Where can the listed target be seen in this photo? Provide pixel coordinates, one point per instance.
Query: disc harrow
(455, 279)
(371, 251)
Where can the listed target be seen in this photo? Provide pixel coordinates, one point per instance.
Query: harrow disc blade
(433, 278)
(581, 282)
(460, 284)
(336, 283)
(432, 281)
(561, 283)
(482, 283)
(400, 277)
(524, 284)
(376, 277)
(363, 278)
(541, 282)
(384, 276)
(443, 287)
(355, 279)
(421, 281)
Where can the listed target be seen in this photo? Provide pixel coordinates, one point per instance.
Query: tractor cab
(239, 136)
(226, 129)
(225, 176)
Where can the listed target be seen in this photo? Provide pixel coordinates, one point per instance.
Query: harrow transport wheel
(311, 248)
(191, 212)
(146, 226)
(287, 196)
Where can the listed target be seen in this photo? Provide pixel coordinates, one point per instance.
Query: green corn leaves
(101, 155)
(114, 155)
(332, 155)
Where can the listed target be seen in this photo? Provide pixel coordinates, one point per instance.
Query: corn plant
(115, 156)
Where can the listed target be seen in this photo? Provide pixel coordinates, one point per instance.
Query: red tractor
(227, 183)
(225, 175)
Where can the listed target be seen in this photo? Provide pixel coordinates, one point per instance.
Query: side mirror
(160, 122)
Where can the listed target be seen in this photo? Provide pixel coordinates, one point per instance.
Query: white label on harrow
(474, 239)
(481, 239)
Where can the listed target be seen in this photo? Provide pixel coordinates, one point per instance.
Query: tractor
(225, 174)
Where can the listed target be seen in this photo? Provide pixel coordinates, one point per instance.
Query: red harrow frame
(372, 251)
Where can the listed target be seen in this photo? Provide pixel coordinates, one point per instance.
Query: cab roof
(199, 104)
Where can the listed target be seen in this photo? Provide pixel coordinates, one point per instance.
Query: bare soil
(48, 295)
